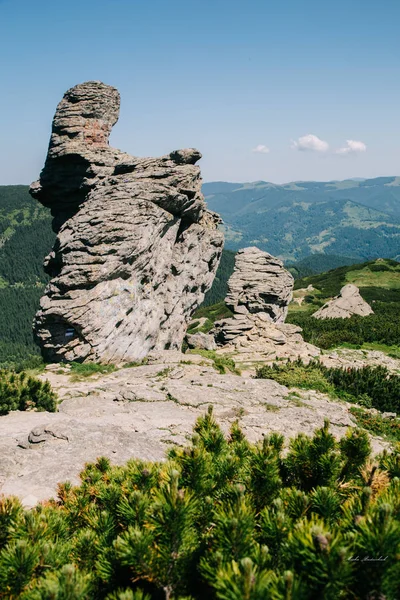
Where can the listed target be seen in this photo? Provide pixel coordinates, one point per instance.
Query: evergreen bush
(19, 391)
(376, 387)
(220, 519)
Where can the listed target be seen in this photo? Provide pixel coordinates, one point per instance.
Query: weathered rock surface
(259, 284)
(140, 411)
(266, 343)
(348, 303)
(346, 357)
(259, 292)
(200, 340)
(136, 248)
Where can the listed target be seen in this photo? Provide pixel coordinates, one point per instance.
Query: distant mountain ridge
(354, 218)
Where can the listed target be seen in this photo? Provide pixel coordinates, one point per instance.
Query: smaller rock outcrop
(348, 303)
(259, 292)
(201, 341)
(259, 284)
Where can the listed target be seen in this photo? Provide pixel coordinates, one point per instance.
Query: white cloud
(352, 147)
(310, 143)
(261, 149)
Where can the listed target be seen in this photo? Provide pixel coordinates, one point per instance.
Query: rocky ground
(139, 412)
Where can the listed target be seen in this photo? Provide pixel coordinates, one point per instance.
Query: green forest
(25, 239)
(220, 519)
(358, 219)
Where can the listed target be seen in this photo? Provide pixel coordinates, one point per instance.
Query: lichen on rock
(136, 248)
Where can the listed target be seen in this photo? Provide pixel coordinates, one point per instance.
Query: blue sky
(226, 77)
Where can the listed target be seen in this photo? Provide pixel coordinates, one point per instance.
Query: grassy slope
(379, 283)
(382, 274)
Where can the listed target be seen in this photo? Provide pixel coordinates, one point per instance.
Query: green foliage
(329, 284)
(297, 374)
(215, 312)
(18, 391)
(376, 424)
(221, 363)
(221, 519)
(374, 385)
(382, 327)
(18, 306)
(197, 328)
(79, 370)
(350, 219)
(26, 238)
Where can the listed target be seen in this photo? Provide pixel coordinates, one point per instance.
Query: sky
(277, 90)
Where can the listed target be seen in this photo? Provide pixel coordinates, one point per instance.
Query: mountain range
(359, 219)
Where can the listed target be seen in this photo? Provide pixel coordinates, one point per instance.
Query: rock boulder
(259, 284)
(136, 248)
(348, 303)
(259, 292)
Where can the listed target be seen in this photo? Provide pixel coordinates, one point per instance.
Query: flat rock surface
(139, 412)
(346, 357)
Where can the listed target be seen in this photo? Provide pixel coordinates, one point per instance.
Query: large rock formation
(348, 303)
(259, 292)
(136, 248)
(259, 284)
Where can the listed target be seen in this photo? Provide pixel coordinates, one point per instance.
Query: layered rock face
(259, 292)
(259, 284)
(348, 303)
(136, 248)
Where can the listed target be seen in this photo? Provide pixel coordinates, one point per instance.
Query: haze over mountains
(353, 218)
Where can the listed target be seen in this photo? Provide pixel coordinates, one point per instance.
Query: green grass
(392, 351)
(136, 363)
(81, 370)
(214, 312)
(164, 373)
(295, 398)
(368, 277)
(221, 363)
(308, 377)
(197, 328)
(271, 407)
(371, 387)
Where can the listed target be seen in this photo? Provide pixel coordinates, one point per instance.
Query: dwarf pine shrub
(376, 387)
(219, 519)
(19, 391)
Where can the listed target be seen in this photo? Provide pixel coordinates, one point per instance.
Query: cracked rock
(136, 248)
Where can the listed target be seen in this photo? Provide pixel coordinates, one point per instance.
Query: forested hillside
(25, 238)
(357, 219)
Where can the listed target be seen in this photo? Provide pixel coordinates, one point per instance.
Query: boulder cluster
(136, 247)
(259, 292)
